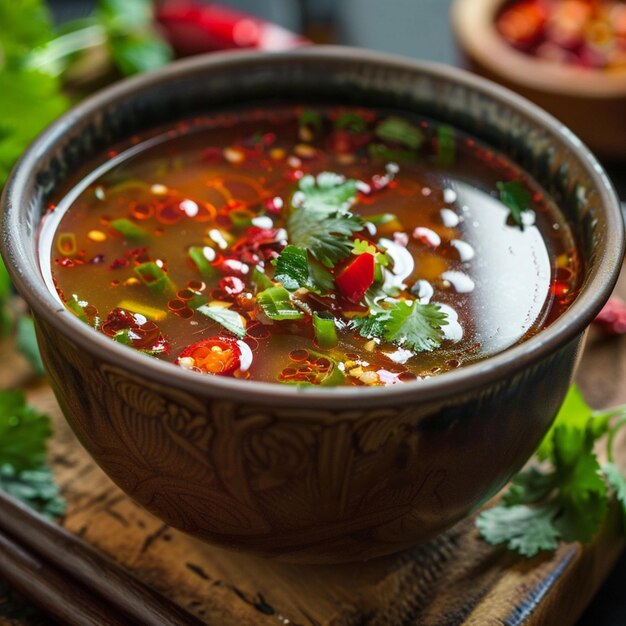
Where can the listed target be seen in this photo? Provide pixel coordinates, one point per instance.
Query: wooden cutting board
(453, 580)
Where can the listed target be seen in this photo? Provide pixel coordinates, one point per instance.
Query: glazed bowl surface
(591, 103)
(309, 474)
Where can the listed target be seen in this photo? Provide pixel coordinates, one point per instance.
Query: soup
(311, 246)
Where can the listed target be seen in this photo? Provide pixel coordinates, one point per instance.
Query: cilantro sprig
(24, 432)
(564, 497)
(321, 221)
(416, 326)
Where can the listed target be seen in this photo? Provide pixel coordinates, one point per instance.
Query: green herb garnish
(565, 498)
(515, 196)
(230, 320)
(351, 122)
(23, 432)
(321, 221)
(277, 305)
(35, 487)
(446, 146)
(415, 326)
(400, 131)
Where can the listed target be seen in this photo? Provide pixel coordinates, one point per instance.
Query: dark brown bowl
(317, 475)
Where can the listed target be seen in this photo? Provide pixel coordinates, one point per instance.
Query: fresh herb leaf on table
(24, 432)
(566, 496)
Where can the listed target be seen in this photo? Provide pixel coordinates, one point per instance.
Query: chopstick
(31, 540)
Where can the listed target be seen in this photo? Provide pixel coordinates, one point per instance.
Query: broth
(320, 246)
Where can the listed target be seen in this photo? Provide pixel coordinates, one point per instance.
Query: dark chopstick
(51, 591)
(81, 563)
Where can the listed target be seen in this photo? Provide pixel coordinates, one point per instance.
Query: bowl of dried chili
(567, 56)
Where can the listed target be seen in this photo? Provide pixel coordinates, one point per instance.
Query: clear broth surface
(206, 182)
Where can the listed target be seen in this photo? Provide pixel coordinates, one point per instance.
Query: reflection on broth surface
(318, 246)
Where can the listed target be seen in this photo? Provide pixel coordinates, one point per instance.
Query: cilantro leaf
(574, 412)
(530, 486)
(371, 326)
(277, 304)
(328, 193)
(361, 246)
(583, 493)
(618, 482)
(24, 25)
(400, 131)
(133, 43)
(35, 101)
(293, 270)
(416, 326)
(352, 122)
(35, 487)
(515, 196)
(23, 432)
(230, 320)
(523, 529)
(321, 221)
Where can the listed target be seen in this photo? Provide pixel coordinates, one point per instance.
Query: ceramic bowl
(591, 103)
(315, 475)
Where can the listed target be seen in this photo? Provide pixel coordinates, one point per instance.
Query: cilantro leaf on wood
(523, 529)
(398, 130)
(515, 196)
(570, 484)
(23, 432)
(618, 482)
(417, 326)
(35, 487)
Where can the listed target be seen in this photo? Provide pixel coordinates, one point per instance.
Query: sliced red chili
(357, 277)
(219, 356)
(136, 331)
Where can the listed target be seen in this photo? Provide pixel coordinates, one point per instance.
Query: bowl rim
(473, 22)
(500, 367)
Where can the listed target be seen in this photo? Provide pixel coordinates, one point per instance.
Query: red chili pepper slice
(219, 356)
(357, 277)
(135, 330)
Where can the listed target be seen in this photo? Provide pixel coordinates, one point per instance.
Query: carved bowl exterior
(311, 475)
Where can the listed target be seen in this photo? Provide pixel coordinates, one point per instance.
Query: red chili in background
(612, 318)
(193, 27)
